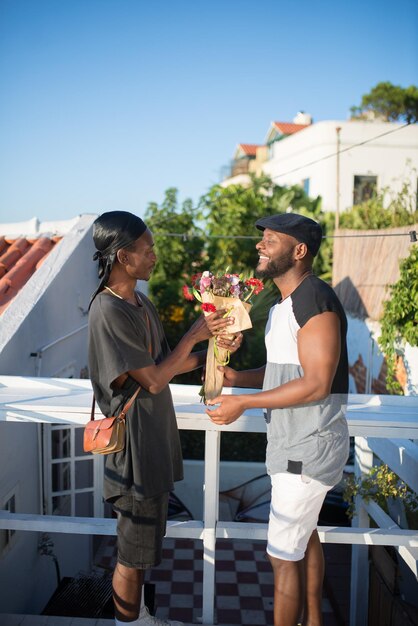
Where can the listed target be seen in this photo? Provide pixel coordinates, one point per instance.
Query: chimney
(302, 118)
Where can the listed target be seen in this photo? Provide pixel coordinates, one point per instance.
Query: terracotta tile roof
(289, 129)
(19, 259)
(250, 149)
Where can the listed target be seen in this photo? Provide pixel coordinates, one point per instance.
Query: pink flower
(205, 281)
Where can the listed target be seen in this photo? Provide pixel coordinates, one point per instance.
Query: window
(69, 472)
(270, 149)
(7, 534)
(60, 443)
(364, 188)
(416, 199)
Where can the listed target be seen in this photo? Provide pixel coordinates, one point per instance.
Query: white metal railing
(39, 353)
(380, 424)
(401, 455)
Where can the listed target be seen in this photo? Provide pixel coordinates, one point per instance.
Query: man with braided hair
(127, 348)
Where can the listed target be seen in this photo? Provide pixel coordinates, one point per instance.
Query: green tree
(391, 102)
(399, 323)
(204, 242)
(179, 245)
(233, 211)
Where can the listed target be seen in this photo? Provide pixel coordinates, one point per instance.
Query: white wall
(28, 579)
(362, 339)
(239, 179)
(53, 303)
(411, 366)
(20, 564)
(391, 158)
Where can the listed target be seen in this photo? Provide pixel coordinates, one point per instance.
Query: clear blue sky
(104, 104)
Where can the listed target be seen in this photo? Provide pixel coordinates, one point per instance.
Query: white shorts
(296, 502)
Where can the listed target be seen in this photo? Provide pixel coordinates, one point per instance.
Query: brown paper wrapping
(238, 310)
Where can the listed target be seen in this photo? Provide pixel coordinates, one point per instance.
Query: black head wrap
(111, 232)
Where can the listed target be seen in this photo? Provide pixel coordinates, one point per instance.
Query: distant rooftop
(24, 246)
(34, 228)
(249, 149)
(287, 128)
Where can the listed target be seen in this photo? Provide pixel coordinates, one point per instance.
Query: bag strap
(128, 405)
(131, 400)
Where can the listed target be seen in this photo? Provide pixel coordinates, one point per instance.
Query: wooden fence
(363, 267)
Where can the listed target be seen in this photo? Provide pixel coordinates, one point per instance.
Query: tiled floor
(51, 620)
(244, 582)
(244, 585)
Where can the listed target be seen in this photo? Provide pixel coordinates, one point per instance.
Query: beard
(277, 267)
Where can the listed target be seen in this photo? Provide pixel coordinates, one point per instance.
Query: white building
(46, 279)
(344, 162)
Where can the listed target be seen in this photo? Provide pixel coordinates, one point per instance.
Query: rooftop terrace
(381, 425)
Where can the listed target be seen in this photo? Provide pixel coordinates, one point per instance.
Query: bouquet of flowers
(222, 291)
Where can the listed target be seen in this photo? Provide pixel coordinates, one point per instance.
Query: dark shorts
(141, 528)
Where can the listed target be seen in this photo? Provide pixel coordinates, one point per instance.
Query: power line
(334, 154)
(412, 234)
(324, 158)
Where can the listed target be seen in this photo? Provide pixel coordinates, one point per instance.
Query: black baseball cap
(298, 226)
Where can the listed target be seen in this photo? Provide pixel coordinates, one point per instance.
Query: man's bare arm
(250, 379)
(319, 345)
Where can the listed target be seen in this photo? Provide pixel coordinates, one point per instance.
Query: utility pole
(337, 182)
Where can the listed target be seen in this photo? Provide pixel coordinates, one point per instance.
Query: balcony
(382, 426)
(242, 166)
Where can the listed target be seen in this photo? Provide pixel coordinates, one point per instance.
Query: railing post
(363, 461)
(210, 518)
(98, 479)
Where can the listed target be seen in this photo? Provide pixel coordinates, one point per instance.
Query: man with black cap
(305, 385)
(128, 349)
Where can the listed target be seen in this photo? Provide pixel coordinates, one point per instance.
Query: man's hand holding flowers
(228, 410)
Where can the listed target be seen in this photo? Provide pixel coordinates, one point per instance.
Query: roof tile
(3, 245)
(289, 129)
(14, 252)
(6, 299)
(19, 259)
(249, 149)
